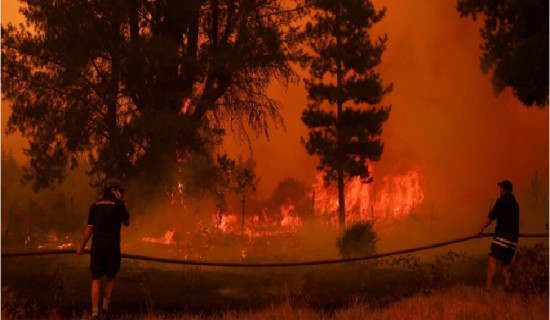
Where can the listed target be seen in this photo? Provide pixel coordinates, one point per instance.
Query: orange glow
(290, 219)
(397, 197)
(65, 245)
(444, 118)
(167, 239)
(52, 242)
(227, 222)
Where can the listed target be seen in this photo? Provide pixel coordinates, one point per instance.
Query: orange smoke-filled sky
(444, 117)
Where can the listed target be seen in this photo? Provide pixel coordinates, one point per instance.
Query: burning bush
(358, 240)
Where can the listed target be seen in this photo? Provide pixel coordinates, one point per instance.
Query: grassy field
(446, 288)
(456, 302)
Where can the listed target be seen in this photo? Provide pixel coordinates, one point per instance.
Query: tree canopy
(341, 65)
(141, 89)
(515, 46)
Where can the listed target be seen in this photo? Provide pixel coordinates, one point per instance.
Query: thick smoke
(444, 120)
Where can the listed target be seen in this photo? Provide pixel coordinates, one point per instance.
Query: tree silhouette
(244, 180)
(140, 88)
(535, 213)
(515, 45)
(341, 65)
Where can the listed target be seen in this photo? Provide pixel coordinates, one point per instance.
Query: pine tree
(342, 77)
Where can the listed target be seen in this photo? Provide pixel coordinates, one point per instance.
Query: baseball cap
(506, 185)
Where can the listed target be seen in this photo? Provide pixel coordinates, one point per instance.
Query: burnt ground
(62, 282)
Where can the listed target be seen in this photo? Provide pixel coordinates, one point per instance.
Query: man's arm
(85, 238)
(493, 214)
(484, 225)
(125, 215)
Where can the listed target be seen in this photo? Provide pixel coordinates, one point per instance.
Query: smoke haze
(444, 120)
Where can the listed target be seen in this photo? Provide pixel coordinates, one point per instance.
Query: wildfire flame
(393, 198)
(290, 219)
(397, 197)
(52, 242)
(168, 238)
(287, 221)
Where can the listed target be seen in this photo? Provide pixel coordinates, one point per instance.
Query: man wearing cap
(503, 247)
(104, 223)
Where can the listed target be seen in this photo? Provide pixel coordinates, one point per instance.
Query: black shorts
(503, 249)
(106, 264)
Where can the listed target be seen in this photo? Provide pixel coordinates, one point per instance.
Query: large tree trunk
(242, 221)
(341, 200)
(339, 75)
(115, 164)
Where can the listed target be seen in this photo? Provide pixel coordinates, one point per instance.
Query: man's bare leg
(109, 285)
(506, 274)
(491, 267)
(96, 284)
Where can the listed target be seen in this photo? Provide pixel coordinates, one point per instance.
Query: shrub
(358, 240)
(530, 269)
(430, 275)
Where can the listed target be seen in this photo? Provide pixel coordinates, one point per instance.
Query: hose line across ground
(264, 265)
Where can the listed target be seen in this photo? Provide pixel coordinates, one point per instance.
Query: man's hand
(80, 249)
(484, 225)
(87, 234)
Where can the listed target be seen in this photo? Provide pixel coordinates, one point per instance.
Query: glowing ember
(185, 106)
(53, 237)
(168, 238)
(52, 242)
(65, 245)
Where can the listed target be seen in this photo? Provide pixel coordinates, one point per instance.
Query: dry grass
(458, 302)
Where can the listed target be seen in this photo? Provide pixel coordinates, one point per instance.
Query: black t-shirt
(506, 211)
(106, 216)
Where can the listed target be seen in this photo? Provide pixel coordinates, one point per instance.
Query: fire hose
(264, 265)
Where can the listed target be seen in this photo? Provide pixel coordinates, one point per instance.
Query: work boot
(105, 314)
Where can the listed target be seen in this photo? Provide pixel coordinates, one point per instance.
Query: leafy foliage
(530, 269)
(515, 45)
(140, 88)
(358, 240)
(236, 176)
(341, 66)
(430, 275)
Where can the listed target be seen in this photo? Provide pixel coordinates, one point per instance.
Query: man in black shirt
(503, 247)
(104, 222)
